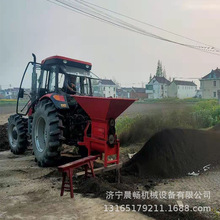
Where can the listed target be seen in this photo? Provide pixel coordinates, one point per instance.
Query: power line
(121, 24)
(70, 7)
(210, 49)
(142, 22)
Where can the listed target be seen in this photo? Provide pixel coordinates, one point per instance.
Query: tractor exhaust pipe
(34, 80)
(34, 57)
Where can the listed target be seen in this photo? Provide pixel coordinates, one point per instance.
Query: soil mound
(174, 153)
(216, 127)
(4, 145)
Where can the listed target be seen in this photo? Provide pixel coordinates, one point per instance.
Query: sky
(46, 29)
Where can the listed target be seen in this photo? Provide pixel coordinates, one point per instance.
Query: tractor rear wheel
(17, 134)
(47, 133)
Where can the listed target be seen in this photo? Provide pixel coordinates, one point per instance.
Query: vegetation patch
(172, 100)
(4, 102)
(202, 115)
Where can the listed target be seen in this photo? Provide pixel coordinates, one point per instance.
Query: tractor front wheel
(17, 134)
(47, 134)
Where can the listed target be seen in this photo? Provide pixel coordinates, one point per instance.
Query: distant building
(138, 93)
(10, 93)
(198, 93)
(210, 84)
(107, 88)
(157, 87)
(182, 89)
(2, 94)
(123, 92)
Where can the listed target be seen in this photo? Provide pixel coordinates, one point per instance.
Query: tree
(159, 69)
(150, 77)
(164, 74)
(116, 82)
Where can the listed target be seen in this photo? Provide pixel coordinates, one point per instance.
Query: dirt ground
(7, 109)
(208, 181)
(4, 118)
(26, 193)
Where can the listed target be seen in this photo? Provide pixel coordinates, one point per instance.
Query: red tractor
(55, 105)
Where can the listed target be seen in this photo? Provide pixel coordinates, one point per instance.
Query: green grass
(140, 128)
(124, 123)
(171, 100)
(12, 102)
(202, 115)
(207, 113)
(7, 102)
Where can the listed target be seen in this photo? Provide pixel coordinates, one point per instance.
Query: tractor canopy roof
(59, 60)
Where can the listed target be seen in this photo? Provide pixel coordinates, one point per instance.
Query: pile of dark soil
(216, 127)
(174, 153)
(4, 145)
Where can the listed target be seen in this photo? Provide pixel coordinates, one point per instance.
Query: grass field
(140, 127)
(6, 102)
(173, 100)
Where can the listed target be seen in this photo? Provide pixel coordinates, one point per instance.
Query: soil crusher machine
(49, 113)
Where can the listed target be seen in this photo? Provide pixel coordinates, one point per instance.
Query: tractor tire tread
(22, 141)
(51, 155)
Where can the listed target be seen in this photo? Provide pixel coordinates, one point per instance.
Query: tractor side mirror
(21, 93)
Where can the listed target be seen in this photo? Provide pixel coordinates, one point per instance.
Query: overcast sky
(43, 28)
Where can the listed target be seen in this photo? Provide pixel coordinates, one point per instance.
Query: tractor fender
(58, 100)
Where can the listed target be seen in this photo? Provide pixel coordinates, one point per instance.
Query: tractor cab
(54, 75)
(61, 74)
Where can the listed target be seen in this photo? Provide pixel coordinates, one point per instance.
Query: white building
(157, 87)
(182, 89)
(123, 92)
(107, 88)
(210, 84)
